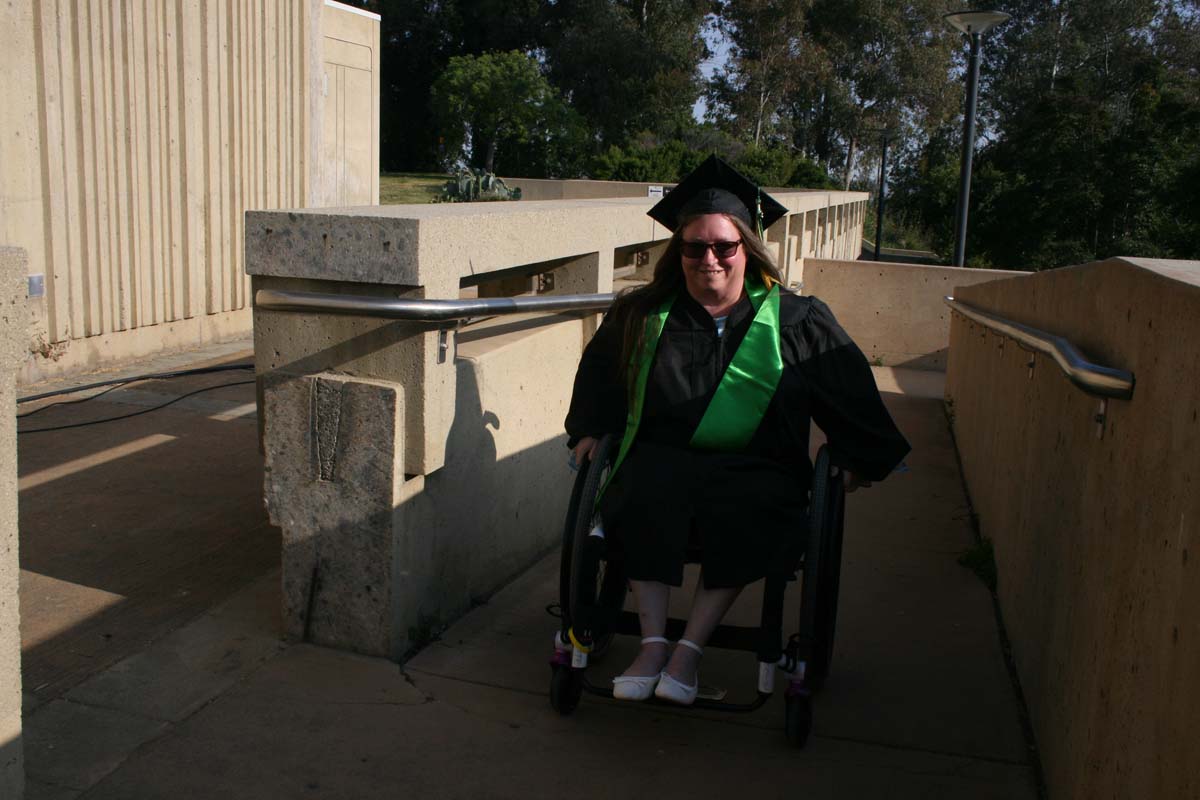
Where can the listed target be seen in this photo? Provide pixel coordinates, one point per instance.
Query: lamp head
(972, 22)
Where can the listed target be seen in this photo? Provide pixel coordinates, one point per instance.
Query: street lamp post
(974, 24)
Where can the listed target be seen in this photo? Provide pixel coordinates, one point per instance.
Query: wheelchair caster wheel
(566, 687)
(799, 718)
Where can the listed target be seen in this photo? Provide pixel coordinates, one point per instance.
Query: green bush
(646, 161)
(808, 175)
(766, 166)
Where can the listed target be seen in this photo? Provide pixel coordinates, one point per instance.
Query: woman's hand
(853, 482)
(585, 447)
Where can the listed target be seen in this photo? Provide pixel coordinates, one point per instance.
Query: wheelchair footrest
(725, 637)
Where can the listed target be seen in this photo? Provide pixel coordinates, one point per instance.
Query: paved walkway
(919, 703)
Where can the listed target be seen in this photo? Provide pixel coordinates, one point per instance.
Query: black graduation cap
(715, 187)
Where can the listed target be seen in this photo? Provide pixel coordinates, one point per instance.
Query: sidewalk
(918, 704)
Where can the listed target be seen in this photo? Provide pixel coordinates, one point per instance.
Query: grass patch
(410, 187)
(981, 559)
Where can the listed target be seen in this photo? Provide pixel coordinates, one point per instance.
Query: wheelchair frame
(592, 594)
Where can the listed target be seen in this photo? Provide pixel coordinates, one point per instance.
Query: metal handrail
(427, 310)
(1095, 379)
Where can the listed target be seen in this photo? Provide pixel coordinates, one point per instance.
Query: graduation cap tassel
(758, 227)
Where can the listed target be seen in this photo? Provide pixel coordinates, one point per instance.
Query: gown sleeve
(598, 402)
(845, 401)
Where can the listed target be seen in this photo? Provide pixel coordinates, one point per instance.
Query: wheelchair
(592, 590)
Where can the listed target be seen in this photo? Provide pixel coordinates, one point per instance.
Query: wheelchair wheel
(799, 718)
(822, 571)
(591, 590)
(566, 688)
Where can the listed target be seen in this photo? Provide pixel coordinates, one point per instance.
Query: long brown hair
(633, 306)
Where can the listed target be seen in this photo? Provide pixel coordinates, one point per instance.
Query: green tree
(871, 67)
(627, 65)
(497, 100)
(417, 40)
(1097, 105)
(764, 65)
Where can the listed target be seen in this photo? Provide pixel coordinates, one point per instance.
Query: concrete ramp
(919, 703)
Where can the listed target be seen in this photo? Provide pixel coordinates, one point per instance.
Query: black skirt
(743, 516)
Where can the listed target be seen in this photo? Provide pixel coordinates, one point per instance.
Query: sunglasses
(720, 249)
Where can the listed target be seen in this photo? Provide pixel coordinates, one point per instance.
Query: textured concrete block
(334, 464)
(406, 353)
(13, 336)
(333, 246)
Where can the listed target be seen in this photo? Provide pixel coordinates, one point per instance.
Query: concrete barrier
(14, 319)
(1094, 513)
(415, 467)
(894, 312)
(586, 189)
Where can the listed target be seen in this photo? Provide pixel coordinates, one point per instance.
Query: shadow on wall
(481, 520)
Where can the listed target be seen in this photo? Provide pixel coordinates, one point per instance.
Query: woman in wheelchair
(710, 373)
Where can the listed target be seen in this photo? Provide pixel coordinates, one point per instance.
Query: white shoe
(629, 687)
(634, 687)
(676, 691)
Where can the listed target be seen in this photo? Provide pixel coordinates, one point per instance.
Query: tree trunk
(850, 161)
(490, 163)
(823, 146)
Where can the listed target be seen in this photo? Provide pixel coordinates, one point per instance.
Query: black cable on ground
(152, 376)
(40, 409)
(135, 413)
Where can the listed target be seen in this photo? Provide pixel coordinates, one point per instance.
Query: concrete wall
(584, 189)
(1096, 526)
(137, 134)
(821, 224)
(347, 171)
(13, 322)
(894, 312)
(397, 556)
(550, 189)
(391, 463)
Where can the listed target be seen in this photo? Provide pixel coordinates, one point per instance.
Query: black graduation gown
(742, 510)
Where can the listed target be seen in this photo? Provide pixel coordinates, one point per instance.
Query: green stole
(745, 391)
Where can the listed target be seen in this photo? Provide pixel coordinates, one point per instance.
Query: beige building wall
(141, 131)
(347, 172)
(1094, 516)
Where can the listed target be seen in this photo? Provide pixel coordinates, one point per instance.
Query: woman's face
(711, 277)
